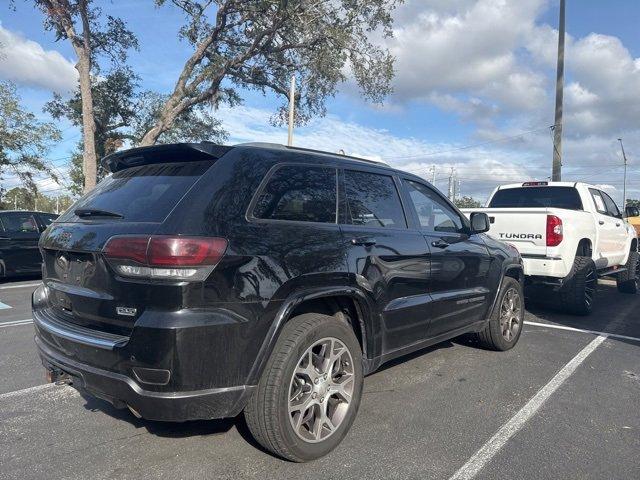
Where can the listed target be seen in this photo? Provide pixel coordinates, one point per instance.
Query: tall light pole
(624, 182)
(292, 98)
(556, 172)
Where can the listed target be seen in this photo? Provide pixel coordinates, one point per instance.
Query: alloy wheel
(590, 287)
(510, 314)
(321, 390)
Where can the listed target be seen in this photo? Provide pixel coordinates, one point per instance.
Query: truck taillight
(554, 231)
(164, 257)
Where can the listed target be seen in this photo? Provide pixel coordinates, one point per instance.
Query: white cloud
(25, 62)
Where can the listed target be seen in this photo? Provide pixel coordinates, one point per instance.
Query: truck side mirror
(632, 212)
(479, 222)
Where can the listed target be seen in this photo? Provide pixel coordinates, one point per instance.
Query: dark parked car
(19, 234)
(200, 281)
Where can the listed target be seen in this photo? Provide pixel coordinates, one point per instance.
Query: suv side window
(20, 223)
(47, 218)
(612, 208)
(598, 201)
(433, 213)
(373, 200)
(299, 193)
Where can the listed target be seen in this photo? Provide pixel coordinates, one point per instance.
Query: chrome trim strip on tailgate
(75, 333)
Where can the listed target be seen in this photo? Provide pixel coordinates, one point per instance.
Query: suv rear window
(557, 197)
(142, 194)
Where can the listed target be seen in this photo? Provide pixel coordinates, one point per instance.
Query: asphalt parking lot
(565, 403)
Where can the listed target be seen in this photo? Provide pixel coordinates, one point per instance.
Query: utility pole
(432, 169)
(15, 200)
(556, 171)
(451, 185)
(624, 182)
(292, 98)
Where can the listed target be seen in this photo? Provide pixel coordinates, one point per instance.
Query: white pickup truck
(568, 235)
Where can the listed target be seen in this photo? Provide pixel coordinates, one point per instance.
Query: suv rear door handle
(601, 222)
(364, 241)
(440, 243)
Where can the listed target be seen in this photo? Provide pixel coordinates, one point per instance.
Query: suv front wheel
(310, 390)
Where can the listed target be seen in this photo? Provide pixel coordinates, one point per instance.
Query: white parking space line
(581, 330)
(483, 456)
(26, 391)
(16, 323)
(23, 285)
(4, 306)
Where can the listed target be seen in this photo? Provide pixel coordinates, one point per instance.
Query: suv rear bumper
(174, 366)
(123, 391)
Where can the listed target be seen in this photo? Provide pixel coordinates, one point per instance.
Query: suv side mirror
(479, 222)
(632, 212)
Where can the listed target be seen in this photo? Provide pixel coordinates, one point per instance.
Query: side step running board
(612, 271)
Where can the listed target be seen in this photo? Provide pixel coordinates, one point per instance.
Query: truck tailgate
(524, 228)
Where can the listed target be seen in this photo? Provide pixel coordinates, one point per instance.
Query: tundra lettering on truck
(532, 236)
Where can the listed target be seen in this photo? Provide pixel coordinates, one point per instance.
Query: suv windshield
(140, 194)
(557, 197)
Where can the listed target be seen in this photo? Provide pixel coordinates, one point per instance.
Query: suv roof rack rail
(311, 150)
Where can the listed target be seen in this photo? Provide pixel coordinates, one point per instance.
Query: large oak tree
(259, 44)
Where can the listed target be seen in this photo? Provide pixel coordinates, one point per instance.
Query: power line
(466, 147)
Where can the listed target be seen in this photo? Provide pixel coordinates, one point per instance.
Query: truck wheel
(629, 280)
(310, 390)
(578, 293)
(505, 325)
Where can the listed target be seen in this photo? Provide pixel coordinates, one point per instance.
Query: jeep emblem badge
(128, 311)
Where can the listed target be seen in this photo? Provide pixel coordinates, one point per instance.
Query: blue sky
(472, 77)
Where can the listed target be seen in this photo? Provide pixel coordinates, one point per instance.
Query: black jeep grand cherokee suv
(199, 281)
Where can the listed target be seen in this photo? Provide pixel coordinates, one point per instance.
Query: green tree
(260, 44)
(467, 202)
(633, 203)
(81, 23)
(21, 198)
(123, 114)
(24, 140)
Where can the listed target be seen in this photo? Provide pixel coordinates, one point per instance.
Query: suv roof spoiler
(174, 152)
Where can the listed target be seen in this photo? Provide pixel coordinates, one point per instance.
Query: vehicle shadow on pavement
(173, 429)
(20, 278)
(609, 302)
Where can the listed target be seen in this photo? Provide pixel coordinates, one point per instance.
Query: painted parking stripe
(16, 323)
(581, 330)
(483, 456)
(4, 306)
(22, 285)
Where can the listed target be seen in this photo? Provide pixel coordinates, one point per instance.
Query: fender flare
(364, 309)
(507, 267)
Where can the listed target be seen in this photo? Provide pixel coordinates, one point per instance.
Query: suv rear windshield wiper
(95, 212)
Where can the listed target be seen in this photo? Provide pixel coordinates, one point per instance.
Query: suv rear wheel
(309, 393)
(506, 322)
(629, 280)
(578, 294)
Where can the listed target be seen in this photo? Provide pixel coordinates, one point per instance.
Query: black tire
(267, 413)
(577, 295)
(494, 336)
(629, 280)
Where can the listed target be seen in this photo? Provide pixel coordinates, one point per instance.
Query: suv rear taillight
(164, 257)
(554, 231)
